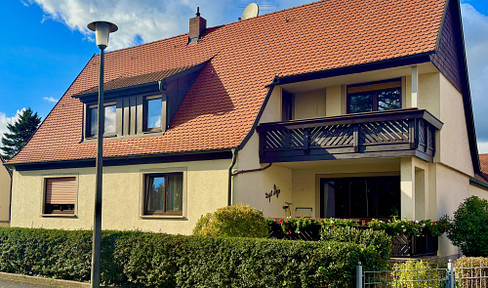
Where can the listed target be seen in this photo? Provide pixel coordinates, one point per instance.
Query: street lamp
(102, 30)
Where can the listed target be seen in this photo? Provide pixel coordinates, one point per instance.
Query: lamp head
(102, 30)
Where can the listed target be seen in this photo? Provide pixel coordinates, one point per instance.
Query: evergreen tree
(19, 133)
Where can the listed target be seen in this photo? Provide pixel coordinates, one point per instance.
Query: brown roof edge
(128, 160)
(479, 182)
(468, 106)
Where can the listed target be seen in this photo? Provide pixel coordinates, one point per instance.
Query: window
(377, 96)
(360, 197)
(109, 124)
(163, 194)
(60, 195)
(152, 114)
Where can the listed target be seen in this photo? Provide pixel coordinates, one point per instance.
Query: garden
(232, 248)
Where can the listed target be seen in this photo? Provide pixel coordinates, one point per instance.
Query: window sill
(154, 130)
(176, 217)
(59, 216)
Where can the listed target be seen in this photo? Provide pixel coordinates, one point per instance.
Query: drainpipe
(234, 158)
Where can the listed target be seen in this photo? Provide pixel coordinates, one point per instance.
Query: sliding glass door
(360, 197)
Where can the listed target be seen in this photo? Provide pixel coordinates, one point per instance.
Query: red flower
(401, 233)
(288, 233)
(432, 223)
(332, 225)
(286, 221)
(281, 221)
(379, 225)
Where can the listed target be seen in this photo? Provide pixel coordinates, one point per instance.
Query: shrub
(470, 272)
(232, 221)
(136, 259)
(469, 230)
(377, 239)
(410, 228)
(415, 273)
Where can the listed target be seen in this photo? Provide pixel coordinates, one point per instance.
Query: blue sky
(46, 44)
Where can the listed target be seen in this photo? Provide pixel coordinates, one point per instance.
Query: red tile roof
(223, 103)
(484, 165)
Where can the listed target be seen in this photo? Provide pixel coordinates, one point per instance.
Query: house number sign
(276, 191)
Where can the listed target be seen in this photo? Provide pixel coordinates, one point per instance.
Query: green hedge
(158, 260)
(368, 237)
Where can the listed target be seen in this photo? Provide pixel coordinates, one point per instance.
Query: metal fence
(450, 277)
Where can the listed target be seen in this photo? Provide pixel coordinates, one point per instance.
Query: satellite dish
(251, 11)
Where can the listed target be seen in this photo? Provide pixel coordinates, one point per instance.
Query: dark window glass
(287, 106)
(153, 116)
(360, 102)
(375, 96)
(368, 197)
(164, 193)
(109, 124)
(389, 99)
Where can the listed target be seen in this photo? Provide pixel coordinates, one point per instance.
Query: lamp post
(102, 30)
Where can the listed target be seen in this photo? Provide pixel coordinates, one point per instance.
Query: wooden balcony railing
(394, 133)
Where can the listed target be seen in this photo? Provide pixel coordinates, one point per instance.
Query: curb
(43, 281)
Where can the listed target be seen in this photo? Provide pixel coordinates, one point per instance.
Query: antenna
(251, 11)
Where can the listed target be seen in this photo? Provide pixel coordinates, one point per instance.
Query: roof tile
(222, 105)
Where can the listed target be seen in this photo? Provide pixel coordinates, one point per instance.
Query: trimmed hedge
(158, 260)
(367, 237)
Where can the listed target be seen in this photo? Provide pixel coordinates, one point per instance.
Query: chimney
(197, 27)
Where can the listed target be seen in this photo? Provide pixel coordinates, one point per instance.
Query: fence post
(359, 275)
(451, 281)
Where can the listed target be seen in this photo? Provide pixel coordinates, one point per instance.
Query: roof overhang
(145, 84)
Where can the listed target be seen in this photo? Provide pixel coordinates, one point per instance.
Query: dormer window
(110, 120)
(152, 114)
(375, 96)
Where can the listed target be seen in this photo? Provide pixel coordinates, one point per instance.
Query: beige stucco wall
(5, 181)
(205, 190)
(250, 188)
(454, 148)
(310, 104)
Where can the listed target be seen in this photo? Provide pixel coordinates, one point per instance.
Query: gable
(450, 59)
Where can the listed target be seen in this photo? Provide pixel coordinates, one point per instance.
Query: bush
(233, 221)
(413, 274)
(139, 259)
(378, 239)
(470, 272)
(469, 230)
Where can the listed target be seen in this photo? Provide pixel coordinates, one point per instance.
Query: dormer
(138, 106)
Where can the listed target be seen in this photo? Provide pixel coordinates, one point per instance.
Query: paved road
(13, 284)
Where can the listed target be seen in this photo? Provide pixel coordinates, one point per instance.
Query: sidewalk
(9, 280)
(15, 284)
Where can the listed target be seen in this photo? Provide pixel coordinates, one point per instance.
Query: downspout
(234, 158)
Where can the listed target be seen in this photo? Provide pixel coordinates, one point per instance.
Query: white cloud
(50, 99)
(483, 147)
(148, 20)
(476, 38)
(4, 120)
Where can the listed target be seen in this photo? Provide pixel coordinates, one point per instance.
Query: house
(338, 108)
(5, 185)
(484, 166)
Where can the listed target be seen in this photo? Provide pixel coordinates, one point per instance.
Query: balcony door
(360, 197)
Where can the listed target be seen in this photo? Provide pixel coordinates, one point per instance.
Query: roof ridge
(218, 26)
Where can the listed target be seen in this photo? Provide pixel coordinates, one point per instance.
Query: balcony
(393, 133)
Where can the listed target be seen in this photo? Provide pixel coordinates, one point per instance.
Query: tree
(19, 133)
(469, 230)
